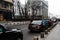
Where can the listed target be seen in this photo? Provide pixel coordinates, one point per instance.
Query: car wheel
(19, 39)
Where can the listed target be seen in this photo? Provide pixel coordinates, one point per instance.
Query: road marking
(24, 28)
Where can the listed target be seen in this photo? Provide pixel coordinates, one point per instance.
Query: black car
(10, 34)
(35, 25)
(46, 23)
(50, 22)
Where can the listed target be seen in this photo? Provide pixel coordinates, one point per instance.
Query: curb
(50, 28)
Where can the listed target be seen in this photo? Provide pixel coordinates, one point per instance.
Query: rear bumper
(34, 29)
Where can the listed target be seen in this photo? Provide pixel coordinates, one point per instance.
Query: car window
(1, 29)
(36, 22)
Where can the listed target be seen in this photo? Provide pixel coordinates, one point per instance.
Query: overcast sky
(54, 6)
(23, 1)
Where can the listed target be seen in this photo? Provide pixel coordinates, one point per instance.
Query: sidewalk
(14, 23)
(54, 34)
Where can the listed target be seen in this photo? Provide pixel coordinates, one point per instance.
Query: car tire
(19, 39)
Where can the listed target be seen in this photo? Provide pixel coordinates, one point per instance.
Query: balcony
(9, 1)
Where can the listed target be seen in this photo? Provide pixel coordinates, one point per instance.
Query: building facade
(37, 8)
(6, 10)
(17, 9)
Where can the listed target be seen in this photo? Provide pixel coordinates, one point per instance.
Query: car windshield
(36, 22)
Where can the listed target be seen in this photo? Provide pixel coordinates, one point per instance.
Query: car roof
(37, 21)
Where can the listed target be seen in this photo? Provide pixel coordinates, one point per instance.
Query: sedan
(46, 23)
(50, 22)
(10, 34)
(35, 25)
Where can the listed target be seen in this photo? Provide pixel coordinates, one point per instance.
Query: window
(5, 5)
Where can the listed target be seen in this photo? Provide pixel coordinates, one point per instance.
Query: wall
(9, 1)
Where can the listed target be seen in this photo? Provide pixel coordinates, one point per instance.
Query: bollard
(35, 38)
(46, 31)
(42, 34)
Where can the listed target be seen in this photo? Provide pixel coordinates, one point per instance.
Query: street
(55, 32)
(27, 35)
(20, 17)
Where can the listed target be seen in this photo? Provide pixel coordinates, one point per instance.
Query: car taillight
(38, 27)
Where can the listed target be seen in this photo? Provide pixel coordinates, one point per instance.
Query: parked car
(54, 20)
(10, 34)
(46, 23)
(50, 22)
(35, 25)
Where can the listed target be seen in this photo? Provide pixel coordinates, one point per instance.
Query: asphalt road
(55, 32)
(27, 35)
